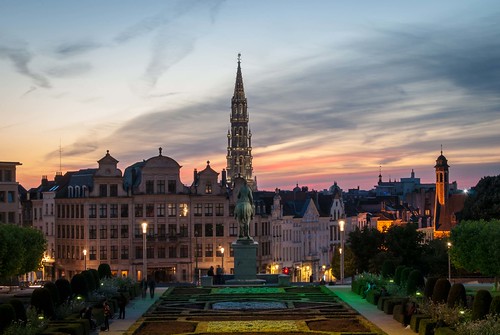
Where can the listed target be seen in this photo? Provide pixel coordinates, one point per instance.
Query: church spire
(239, 148)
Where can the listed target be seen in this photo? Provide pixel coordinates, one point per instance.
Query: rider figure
(244, 210)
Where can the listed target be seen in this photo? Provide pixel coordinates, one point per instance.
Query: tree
(349, 262)
(405, 242)
(21, 250)
(483, 200)
(365, 244)
(476, 247)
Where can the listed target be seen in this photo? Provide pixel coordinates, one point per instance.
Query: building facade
(10, 205)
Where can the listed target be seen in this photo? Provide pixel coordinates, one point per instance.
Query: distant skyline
(335, 89)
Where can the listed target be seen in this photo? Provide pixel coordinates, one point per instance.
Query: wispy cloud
(69, 70)
(20, 57)
(76, 48)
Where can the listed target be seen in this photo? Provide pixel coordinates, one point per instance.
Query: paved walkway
(369, 311)
(135, 309)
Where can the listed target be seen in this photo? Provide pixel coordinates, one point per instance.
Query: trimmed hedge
(19, 309)
(54, 292)
(372, 296)
(440, 292)
(426, 327)
(481, 304)
(7, 315)
(415, 321)
(42, 301)
(429, 287)
(415, 282)
(104, 271)
(64, 288)
(444, 331)
(457, 296)
(89, 278)
(388, 269)
(79, 285)
(95, 274)
(404, 276)
(495, 305)
(397, 274)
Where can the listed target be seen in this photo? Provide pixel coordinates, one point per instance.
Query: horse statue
(244, 211)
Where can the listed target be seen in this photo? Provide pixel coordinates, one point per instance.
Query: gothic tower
(239, 137)
(442, 218)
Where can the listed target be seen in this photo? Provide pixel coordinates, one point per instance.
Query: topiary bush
(79, 285)
(89, 278)
(104, 271)
(441, 290)
(64, 289)
(481, 304)
(18, 309)
(415, 282)
(495, 306)
(7, 315)
(95, 274)
(429, 287)
(404, 276)
(42, 301)
(457, 296)
(54, 292)
(397, 274)
(388, 269)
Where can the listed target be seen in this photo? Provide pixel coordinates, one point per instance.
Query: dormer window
(208, 188)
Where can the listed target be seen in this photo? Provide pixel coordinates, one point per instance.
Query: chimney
(44, 180)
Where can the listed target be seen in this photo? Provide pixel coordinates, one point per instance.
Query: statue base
(245, 260)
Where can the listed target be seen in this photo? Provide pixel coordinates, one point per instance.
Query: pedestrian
(410, 309)
(122, 302)
(218, 275)
(152, 285)
(211, 272)
(107, 315)
(144, 287)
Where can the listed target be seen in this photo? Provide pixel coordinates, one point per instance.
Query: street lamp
(222, 263)
(84, 259)
(341, 223)
(144, 226)
(196, 275)
(449, 262)
(324, 271)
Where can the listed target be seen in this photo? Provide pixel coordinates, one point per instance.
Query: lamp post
(324, 271)
(144, 226)
(196, 275)
(84, 259)
(222, 263)
(449, 261)
(341, 223)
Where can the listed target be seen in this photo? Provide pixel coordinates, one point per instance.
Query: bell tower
(239, 136)
(442, 218)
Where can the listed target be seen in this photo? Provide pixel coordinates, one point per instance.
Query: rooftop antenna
(60, 156)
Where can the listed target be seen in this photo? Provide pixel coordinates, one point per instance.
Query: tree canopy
(483, 201)
(21, 250)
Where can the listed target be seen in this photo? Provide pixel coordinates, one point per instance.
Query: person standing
(152, 285)
(218, 275)
(107, 315)
(122, 302)
(211, 273)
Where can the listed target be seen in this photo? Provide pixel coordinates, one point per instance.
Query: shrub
(429, 287)
(487, 326)
(441, 289)
(54, 292)
(397, 274)
(64, 289)
(79, 285)
(42, 301)
(481, 304)
(7, 315)
(89, 278)
(34, 325)
(457, 296)
(404, 276)
(388, 269)
(95, 274)
(495, 305)
(19, 309)
(104, 271)
(415, 282)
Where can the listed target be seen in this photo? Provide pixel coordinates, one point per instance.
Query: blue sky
(335, 89)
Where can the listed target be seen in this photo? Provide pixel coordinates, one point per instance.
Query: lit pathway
(369, 311)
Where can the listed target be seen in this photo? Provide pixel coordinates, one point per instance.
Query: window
(198, 231)
(172, 210)
(92, 211)
(219, 229)
(150, 252)
(233, 229)
(150, 210)
(113, 210)
(11, 195)
(209, 209)
(219, 209)
(198, 209)
(208, 188)
(114, 252)
(138, 252)
(209, 250)
(103, 190)
(82, 230)
(172, 230)
(92, 253)
(183, 209)
(209, 229)
(161, 252)
(124, 210)
(113, 232)
(113, 190)
(183, 231)
(160, 210)
(150, 187)
(124, 231)
(103, 254)
(7, 175)
(184, 251)
(103, 232)
(138, 210)
(160, 186)
(2, 196)
(198, 250)
(92, 232)
(172, 186)
(162, 231)
(172, 252)
(103, 211)
(124, 253)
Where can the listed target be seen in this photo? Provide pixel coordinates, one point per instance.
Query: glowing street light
(84, 259)
(341, 224)
(449, 262)
(144, 226)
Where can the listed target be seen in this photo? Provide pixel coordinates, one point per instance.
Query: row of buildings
(95, 215)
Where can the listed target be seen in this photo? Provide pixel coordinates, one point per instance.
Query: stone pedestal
(245, 263)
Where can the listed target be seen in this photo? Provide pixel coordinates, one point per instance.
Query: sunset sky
(335, 89)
